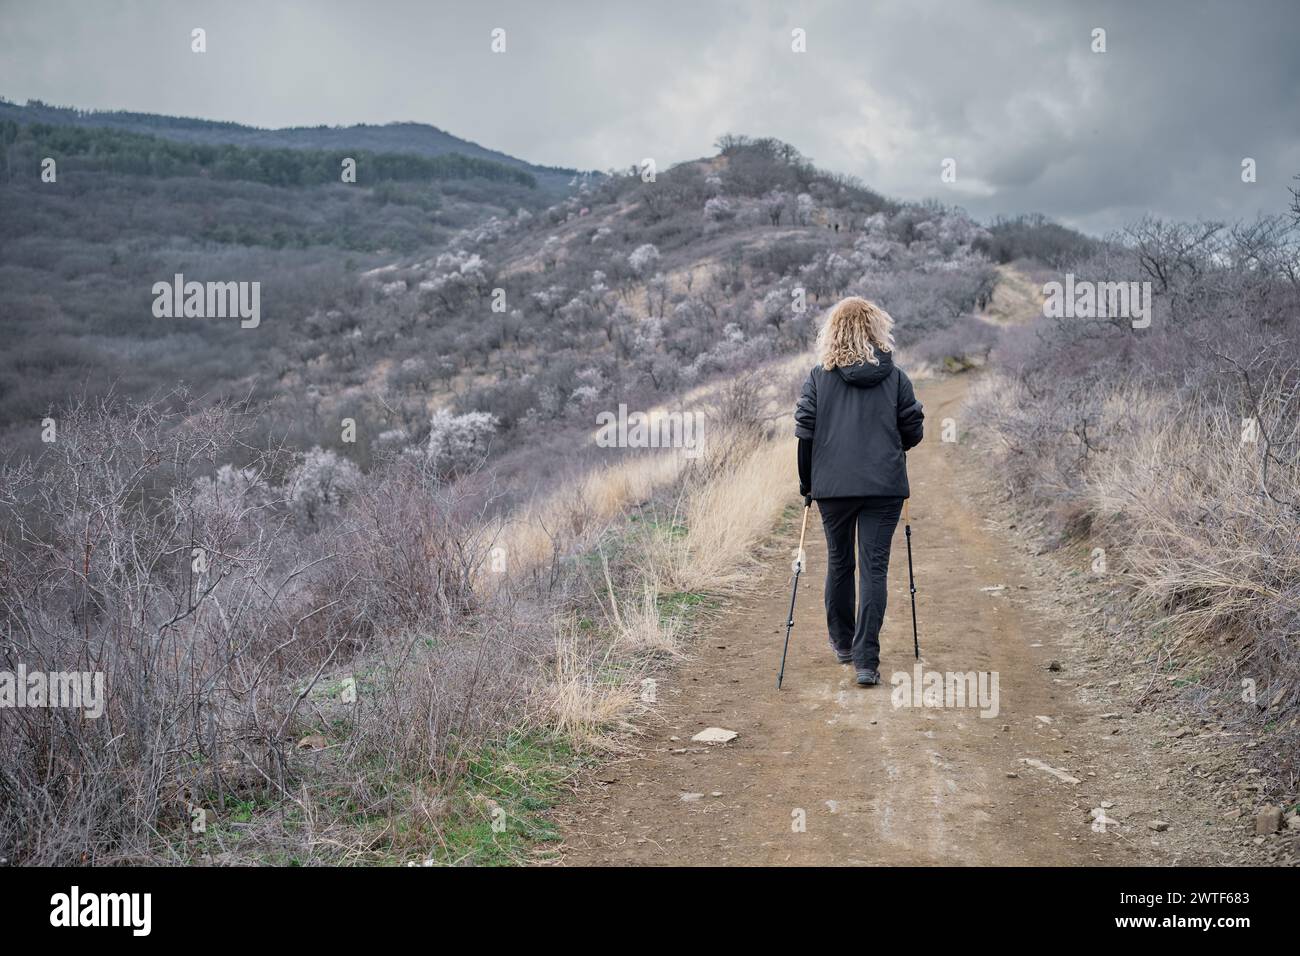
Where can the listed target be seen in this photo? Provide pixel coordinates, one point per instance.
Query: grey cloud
(1037, 121)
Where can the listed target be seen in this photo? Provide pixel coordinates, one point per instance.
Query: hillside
(633, 291)
(79, 255)
(380, 297)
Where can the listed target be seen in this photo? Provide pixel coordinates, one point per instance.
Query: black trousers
(872, 521)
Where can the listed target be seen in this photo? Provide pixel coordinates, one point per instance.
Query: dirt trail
(875, 784)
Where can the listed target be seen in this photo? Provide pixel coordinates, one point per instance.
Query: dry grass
(584, 700)
(567, 520)
(1201, 538)
(593, 687)
(726, 516)
(640, 626)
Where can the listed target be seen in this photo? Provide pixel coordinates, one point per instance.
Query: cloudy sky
(1035, 120)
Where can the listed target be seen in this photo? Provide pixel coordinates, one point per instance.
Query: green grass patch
(668, 528)
(500, 815)
(681, 604)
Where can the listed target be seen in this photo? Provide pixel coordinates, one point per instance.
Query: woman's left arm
(805, 413)
(805, 424)
(911, 415)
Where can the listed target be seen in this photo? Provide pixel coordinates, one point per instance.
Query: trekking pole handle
(802, 530)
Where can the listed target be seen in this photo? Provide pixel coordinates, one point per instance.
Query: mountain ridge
(404, 136)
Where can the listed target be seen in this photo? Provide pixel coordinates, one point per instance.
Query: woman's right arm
(805, 467)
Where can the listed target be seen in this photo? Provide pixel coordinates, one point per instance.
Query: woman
(856, 419)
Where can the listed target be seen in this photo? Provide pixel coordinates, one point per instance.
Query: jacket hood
(866, 375)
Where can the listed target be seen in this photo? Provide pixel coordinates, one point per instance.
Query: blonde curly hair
(853, 332)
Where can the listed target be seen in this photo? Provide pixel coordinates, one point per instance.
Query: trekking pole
(911, 580)
(798, 569)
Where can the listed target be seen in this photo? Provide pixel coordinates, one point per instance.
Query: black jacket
(859, 421)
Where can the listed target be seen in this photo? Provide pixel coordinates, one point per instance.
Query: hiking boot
(868, 677)
(844, 657)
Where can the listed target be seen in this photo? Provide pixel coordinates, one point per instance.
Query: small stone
(1293, 822)
(1107, 805)
(1046, 768)
(1160, 826)
(1054, 666)
(1268, 820)
(691, 797)
(1011, 774)
(715, 735)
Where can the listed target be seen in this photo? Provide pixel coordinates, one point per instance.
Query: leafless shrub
(427, 698)
(114, 561)
(404, 553)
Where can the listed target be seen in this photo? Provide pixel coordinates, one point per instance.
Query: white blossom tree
(320, 484)
(459, 442)
(644, 259)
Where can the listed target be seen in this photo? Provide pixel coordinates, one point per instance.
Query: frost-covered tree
(584, 396)
(719, 209)
(550, 252)
(657, 290)
(392, 439)
(320, 484)
(774, 205)
(459, 442)
(804, 208)
(644, 259)
(231, 491)
(460, 274)
(551, 299)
